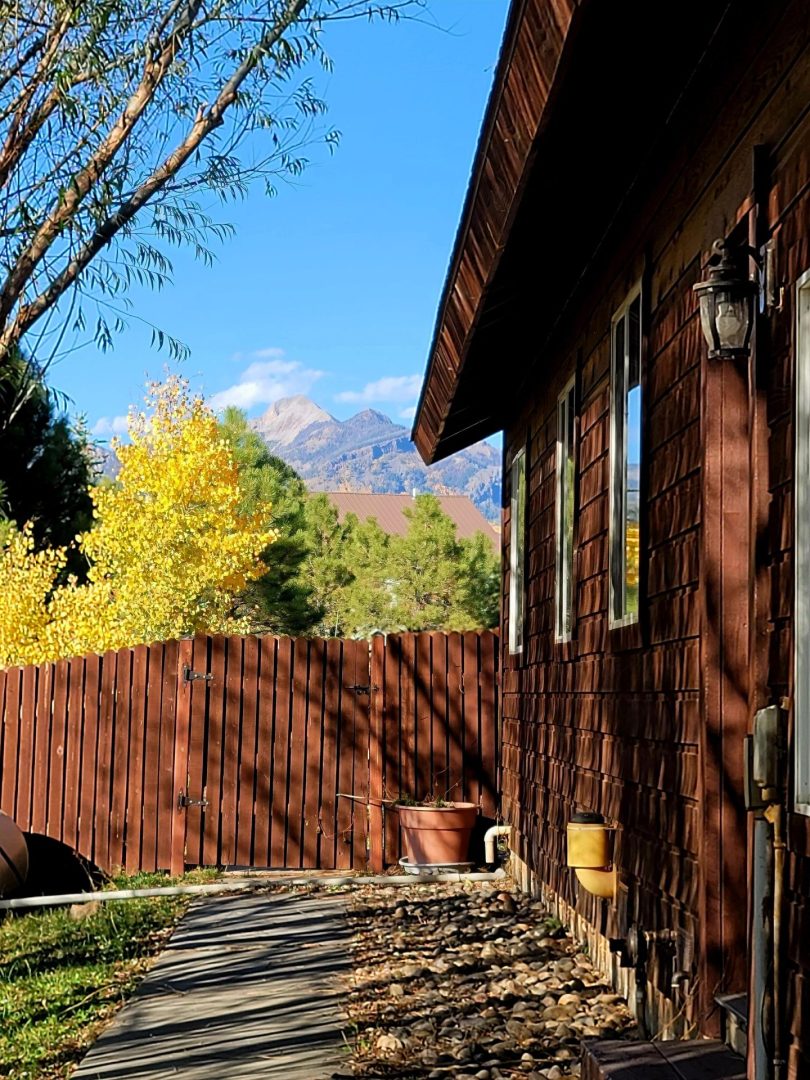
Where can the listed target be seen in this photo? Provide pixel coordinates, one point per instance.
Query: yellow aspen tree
(27, 578)
(169, 549)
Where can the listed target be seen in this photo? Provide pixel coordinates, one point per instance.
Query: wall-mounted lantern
(727, 302)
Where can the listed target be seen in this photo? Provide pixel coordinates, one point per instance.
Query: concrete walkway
(247, 988)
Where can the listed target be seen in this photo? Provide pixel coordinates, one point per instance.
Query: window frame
(564, 574)
(801, 555)
(517, 575)
(627, 618)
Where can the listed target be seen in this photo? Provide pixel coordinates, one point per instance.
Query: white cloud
(110, 425)
(407, 414)
(391, 388)
(268, 354)
(267, 379)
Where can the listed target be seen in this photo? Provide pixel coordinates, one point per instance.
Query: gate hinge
(190, 676)
(184, 800)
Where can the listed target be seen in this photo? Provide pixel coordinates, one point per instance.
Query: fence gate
(269, 730)
(248, 751)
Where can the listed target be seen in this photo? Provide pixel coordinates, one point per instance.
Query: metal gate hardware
(190, 676)
(184, 800)
(363, 689)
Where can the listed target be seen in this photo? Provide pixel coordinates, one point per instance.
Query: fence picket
(214, 720)
(137, 731)
(25, 751)
(196, 779)
(281, 753)
(73, 765)
(246, 800)
(105, 756)
(264, 752)
(120, 771)
(42, 749)
(55, 815)
(314, 754)
(485, 653)
(347, 811)
(231, 749)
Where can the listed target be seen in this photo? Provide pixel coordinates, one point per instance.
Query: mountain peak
(286, 418)
(368, 415)
(371, 452)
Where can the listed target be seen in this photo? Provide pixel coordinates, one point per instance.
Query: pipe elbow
(601, 883)
(490, 837)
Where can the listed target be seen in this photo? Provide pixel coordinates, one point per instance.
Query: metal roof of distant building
(388, 512)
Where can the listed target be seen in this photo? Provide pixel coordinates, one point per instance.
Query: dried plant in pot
(436, 831)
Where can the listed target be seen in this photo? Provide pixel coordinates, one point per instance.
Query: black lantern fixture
(727, 302)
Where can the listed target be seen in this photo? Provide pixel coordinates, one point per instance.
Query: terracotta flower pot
(437, 834)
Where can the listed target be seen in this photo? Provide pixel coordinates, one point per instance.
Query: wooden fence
(248, 751)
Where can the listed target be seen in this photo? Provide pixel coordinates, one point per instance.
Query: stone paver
(248, 987)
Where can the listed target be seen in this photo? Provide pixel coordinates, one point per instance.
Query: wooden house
(656, 520)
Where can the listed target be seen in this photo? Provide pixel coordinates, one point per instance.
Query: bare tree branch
(117, 117)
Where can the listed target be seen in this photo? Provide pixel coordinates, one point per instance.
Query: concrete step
(735, 1020)
(695, 1059)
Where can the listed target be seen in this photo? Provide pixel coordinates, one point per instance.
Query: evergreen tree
(367, 602)
(282, 600)
(334, 578)
(46, 466)
(441, 582)
(327, 567)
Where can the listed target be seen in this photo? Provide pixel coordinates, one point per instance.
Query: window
(625, 460)
(801, 609)
(517, 552)
(564, 593)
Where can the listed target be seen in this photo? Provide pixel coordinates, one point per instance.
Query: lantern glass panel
(731, 319)
(707, 318)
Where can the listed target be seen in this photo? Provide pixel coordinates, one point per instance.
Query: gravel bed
(472, 980)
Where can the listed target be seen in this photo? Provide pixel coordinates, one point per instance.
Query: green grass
(61, 977)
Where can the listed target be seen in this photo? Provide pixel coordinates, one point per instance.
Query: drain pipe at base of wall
(761, 948)
(775, 815)
(765, 791)
(245, 885)
(490, 838)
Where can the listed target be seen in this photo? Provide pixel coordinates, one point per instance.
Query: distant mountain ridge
(369, 452)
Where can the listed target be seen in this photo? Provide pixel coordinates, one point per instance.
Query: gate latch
(184, 801)
(191, 676)
(363, 689)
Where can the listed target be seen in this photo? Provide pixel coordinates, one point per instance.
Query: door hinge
(184, 800)
(191, 676)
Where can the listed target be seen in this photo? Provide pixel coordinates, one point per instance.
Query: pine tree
(46, 466)
(282, 600)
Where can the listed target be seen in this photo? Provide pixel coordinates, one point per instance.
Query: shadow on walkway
(247, 988)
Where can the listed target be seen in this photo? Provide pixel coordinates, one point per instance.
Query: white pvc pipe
(489, 840)
(238, 886)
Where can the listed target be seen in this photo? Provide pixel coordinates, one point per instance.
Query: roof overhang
(581, 93)
(534, 41)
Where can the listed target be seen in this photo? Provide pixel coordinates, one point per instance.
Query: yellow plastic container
(590, 853)
(589, 845)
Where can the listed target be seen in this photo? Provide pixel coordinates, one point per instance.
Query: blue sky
(331, 288)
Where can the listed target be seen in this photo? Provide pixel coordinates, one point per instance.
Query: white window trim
(562, 636)
(515, 648)
(631, 618)
(801, 549)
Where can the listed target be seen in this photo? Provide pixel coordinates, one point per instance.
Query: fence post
(181, 740)
(376, 743)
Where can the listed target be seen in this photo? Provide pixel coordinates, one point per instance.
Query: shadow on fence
(233, 751)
